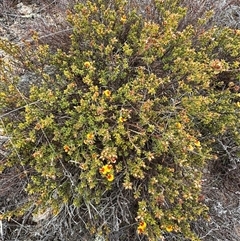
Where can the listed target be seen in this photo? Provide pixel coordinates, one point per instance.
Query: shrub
(126, 119)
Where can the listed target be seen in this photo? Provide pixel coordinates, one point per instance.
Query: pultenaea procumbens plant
(133, 105)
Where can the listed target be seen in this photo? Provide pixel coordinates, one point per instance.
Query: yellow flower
(197, 143)
(90, 136)
(123, 19)
(141, 227)
(190, 148)
(87, 64)
(140, 230)
(169, 228)
(110, 177)
(105, 169)
(142, 224)
(121, 119)
(89, 139)
(107, 93)
(2, 95)
(178, 125)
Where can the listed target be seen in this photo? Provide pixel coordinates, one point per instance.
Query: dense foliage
(125, 120)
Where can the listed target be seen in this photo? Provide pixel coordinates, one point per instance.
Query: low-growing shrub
(126, 119)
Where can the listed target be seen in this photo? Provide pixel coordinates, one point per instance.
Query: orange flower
(110, 177)
(66, 148)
